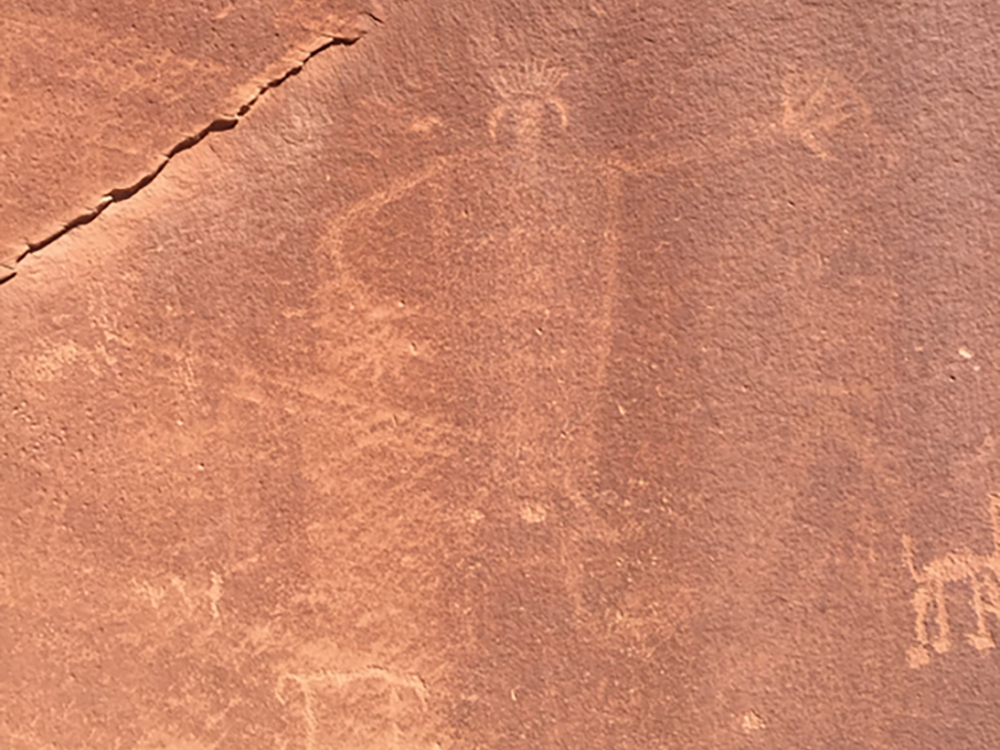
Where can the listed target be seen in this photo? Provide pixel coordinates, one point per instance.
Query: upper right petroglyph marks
(820, 107)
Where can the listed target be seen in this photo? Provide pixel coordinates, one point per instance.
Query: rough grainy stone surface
(570, 374)
(95, 94)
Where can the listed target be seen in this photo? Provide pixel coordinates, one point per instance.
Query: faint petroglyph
(52, 362)
(425, 125)
(150, 593)
(528, 94)
(19, 739)
(371, 204)
(752, 722)
(180, 586)
(644, 618)
(981, 573)
(6, 597)
(104, 313)
(160, 740)
(174, 590)
(532, 514)
(610, 250)
(816, 104)
(357, 710)
(705, 150)
(215, 594)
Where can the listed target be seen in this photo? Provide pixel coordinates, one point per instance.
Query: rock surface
(572, 374)
(94, 95)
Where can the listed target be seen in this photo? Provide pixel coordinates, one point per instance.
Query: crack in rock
(225, 122)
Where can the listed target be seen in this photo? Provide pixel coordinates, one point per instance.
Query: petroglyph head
(528, 95)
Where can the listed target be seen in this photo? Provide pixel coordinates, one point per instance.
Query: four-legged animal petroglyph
(390, 697)
(981, 573)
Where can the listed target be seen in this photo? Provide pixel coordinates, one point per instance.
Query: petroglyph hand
(816, 103)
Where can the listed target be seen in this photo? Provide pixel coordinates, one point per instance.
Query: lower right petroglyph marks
(981, 573)
(365, 709)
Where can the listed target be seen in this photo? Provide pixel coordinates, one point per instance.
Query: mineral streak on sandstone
(582, 374)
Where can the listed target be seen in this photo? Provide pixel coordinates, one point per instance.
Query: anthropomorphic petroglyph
(981, 573)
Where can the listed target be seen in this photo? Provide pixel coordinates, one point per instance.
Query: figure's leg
(942, 640)
(982, 639)
(990, 592)
(919, 654)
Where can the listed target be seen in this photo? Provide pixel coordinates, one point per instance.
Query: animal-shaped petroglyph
(981, 573)
(381, 706)
(175, 589)
(527, 93)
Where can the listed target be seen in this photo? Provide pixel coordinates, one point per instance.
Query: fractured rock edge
(8, 269)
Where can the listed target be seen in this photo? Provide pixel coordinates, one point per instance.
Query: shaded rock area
(572, 374)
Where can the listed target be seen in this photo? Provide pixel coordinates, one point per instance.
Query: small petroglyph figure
(981, 573)
(527, 93)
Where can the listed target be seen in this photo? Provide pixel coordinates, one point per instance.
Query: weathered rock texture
(95, 96)
(554, 375)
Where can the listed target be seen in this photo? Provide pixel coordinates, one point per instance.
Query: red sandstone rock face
(580, 375)
(94, 95)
